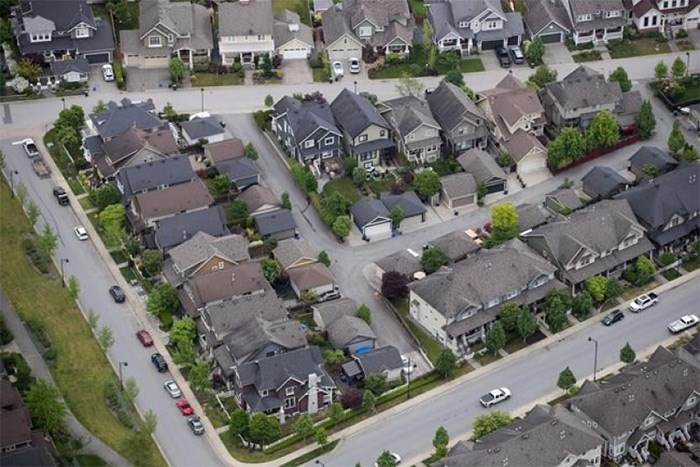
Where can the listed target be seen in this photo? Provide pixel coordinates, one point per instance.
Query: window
(691, 400)
(463, 24)
(493, 24)
(646, 21)
(41, 37)
(612, 14)
(309, 143)
(430, 132)
(329, 140)
(365, 31)
(410, 137)
(290, 402)
(582, 18)
(511, 295)
(665, 5)
(261, 37)
(82, 32)
(492, 303)
(362, 138)
(264, 393)
(382, 133)
(289, 391)
(674, 3)
(154, 41)
(171, 38)
(649, 421)
(461, 131)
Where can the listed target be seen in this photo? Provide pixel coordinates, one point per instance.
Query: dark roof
(118, 118)
(79, 65)
(402, 262)
(14, 417)
(354, 113)
(245, 18)
(254, 334)
(584, 88)
(651, 155)
(238, 169)
(31, 456)
(566, 197)
(334, 309)
(450, 104)
(223, 284)
(225, 316)
(343, 330)
(269, 373)
(530, 216)
(199, 128)
(275, 222)
(603, 182)
(143, 177)
(408, 201)
(335, 25)
(380, 360)
(456, 245)
(176, 229)
(306, 117)
(367, 210)
(540, 13)
(482, 165)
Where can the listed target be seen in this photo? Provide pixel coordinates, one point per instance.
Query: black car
(117, 294)
(612, 317)
(503, 57)
(159, 362)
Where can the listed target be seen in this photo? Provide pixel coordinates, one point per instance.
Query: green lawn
(471, 65)
(302, 460)
(671, 274)
(637, 47)
(128, 273)
(213, 79)
(632, 292)
(344, 186)
(587, 56)
(487, 358)
(430, 346)
(685, 45)
(80, 369)
(321, 75)
(119, 256)
(417, 8)
(297, 6)
(691, 265)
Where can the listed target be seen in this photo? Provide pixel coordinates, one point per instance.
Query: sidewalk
(26, 346)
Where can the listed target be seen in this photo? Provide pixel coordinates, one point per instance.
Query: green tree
(557, 303)
(508, 315)
(131, 388)
(333, 357)
(427, 183)
(644, 269)
(105, 337)
(595, 286)
(542, 75)
(359, 176)
(363, 312)
(440, 442)
(369, 400)
(263, 429)
(535, 51)
(676, 140)
(455, 77)
(495, 338)
(28, 70)
(504, 222)
(199, 376)
(285, 202)
(73, 287)
(689, 153)
(660, 71)
(321, 436)
(221, 185)
(251, 152)
(104, 196)
(445, 363)
(183, 330)
(489, 422)
(566, 379)
(645, 120)
(271, 269)
(394, 285)
(341, 227)
(308, 297)
(184, 354)
(349, 165)
(677, 68)
(152, 260)
(120, 10)
(99, 107)
(238, 423)
(526, 324)
(112, 220)
(409, 86)
(620, 75)
(176, 69)
(336, 413)
(269, 100)
(304, 426)
(33, 212)
(237, 212)
(150, 421)
(376, 382)
(267, 67)
(92, 319)
(433, 259)
(613, 288)
(163, 299)
(604, 130)
(332, 206)
(581, 305)
(385, 459)
(397, 216)
(504, 159)
(47, 241)
(627, 354)
(567, 147)
(310, 184)
(46, 407)
(324, 259)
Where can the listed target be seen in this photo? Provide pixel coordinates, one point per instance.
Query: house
(562, 201)
(531, 216)
(650, 158)
(167, 29)
(372, 218)
(48, 31)
(456, 245)
(341, 42)
(203, 253)
(313, 278)
(293, 39)
(664, 16)
(351, 334)
(119, 117)
(529, 155)
(149, 207)
(221, 151)
(463, 123)
(367, 135)
(457, 305)
(546, 436)
(652, 401)
(597, 21)
(242, 172)
(155, 175)
(471, 26)
(203, 128)
(71, 71)
(384, 25)
(410, 204)
(604, 238)
(245, 31)
(326, 313)
(307, 130)
(547, 20)
(485, 170)
(279, 224)
(175, 230)
(458, 190)
(603, 182)
(290, 383)
(259, 200)
(406, 262)
(668, 206)
(382, 361)
(416, 133)
(579, 96)
(292, 253)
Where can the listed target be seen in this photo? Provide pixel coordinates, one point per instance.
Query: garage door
(375, 232)
(532, 164)
(97, 58)
(490, 45)
(344, 54)
(551, 38)
(461, 202)
(497, 188)
(294, 54)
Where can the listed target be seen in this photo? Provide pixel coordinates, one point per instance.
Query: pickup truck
(40, 167)
(683, 323)
(494, 397)
(643, 302)
(61, 195)
(30, 148)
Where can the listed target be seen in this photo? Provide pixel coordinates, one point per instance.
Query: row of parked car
(506, 57)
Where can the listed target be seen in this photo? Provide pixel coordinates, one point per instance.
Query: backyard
(628, 48)
(297, 6)
(131, 23)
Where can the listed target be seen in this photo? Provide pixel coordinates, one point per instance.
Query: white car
(354, 65)
(30, 148)
(80, 232)
(407, 364)
(337, 69)
(494, 397)
(683, 323)
(173, 389)
(108, 72)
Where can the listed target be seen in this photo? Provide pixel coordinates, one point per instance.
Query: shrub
(263, 118)
(667, 258)
(351, 398)
(681, 34)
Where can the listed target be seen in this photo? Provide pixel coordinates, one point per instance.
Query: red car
(185, 407)
(145, 338)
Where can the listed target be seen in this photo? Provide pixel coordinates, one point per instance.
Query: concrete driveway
(97, 82)
(296, 72)
(140, 79)
(556, 54)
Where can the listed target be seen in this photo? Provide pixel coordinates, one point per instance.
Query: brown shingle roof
(241, 279)
(311, 276)
(227, 149)
(173, 200)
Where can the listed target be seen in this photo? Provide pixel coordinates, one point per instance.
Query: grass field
(344, 186)
(80, 369)
(638, 47)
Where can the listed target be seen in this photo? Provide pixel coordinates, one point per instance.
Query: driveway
(140, 79)
(97, 82)
(296, 72)
(557, 54)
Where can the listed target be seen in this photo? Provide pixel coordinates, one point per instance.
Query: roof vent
(630, 397)
(496, 449)
(526, 436)
(233, 277)
(554, 423)
(562, 434)
(685, 372)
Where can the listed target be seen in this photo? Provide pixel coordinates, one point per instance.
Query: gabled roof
(143, 177)
(565, 197)
(482, 165)
(62, 67)
(402, 262)
(410, 113)
(202, 128)
(16, 424)
(450, 105)
(311, 276)
(393, 16)
(254, 334)
(270, 373)
(334, 309)
(291, 253)
(379, 360)
(258, 196)
(238, 169)
(336, 26)
(345, 329)
(203, 246)
(510, 100)
(456, 245)
(367, 210)
(408, 201)
(651, 155)
(249, 18)
(175, 199)
(237, 280)
(118, 118)
(459, 184)
(176, 229)
(604, 182)
(584, 88)
(226, 316)
(274, 222)
(643, 6)
(531, 216)
(64, 15)
(521, 143)
(354, 113)
(306, 117)
(288, 27)
(541, 13)
(231, 148)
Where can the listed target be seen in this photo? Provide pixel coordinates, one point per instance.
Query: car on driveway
(159, 362)
(354, 65)
(612, 317)
(117, 294)
(516, 54)
(494, 397)
(144, 337)
(30, 148)
(329, 295)
(184, 407)
(407, 365)
(503, 57)
(338, 69)
(173, 389)
(80, 232)
(107, 72)
(195, 425)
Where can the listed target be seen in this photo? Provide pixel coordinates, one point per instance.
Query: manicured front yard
(587, 56)
(638, 47)
(321, 75)
(344, 186)
(414, 65)
(214, 79)
(632, 292)
(691, 265)
(516, 343)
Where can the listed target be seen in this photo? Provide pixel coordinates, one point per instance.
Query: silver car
(173, 389)
(354, 65)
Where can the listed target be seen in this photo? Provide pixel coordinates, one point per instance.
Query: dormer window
(171, 38)
(583, 18)
(365, 31)
(82, 32)
(154, 41)
(511, 295)
(612, 14)
(289, 391)
(309, 143)
(463, 24)
(264, 393)
(44, 37)
(261, 37)
(328, 141)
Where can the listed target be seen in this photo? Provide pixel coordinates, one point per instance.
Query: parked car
(683, 323)
(329, 295)
(80, 232)
(184, 407)
(159, 362)
(643, 302)
(107, 72)
(407, 364)
(61, 195)
(337, 69)
(612, 317)
(117, 294)
(503, 57)
(517, 54)
(144, 337)
(173, 389)
(30, 148)
(494, 397)
(195, 425)
(354, 65)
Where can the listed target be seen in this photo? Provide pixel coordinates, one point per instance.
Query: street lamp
(63, 274)
(687, 63)
(63, 99)
(121, 379)
(12, 181)
(201, 91)
(356, 87)
(595, 357)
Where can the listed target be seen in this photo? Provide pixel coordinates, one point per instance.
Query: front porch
(598, 36)
(189, 56)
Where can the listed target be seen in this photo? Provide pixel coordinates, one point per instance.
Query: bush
(119, 74)
(667, 258)
(263, 118)
(681, 34)
(6, 335)
(351, 398)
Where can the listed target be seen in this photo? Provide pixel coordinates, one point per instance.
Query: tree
(455, 77)
(73, 287)
(566, 379)
(33, 212)
(267, 67)
(238, 423)
(150, 421)
(645, 120)
(508, 315)
(660, 71)
(332, 206)
(99, 107)
(526, 324)
(176, 68)
(151, 262)
(620, 75)
(644, 269)
(238, 212)
(285, 202)
(504, 159)
(613, 288)
(163, 299)
(308, 297)
(595, 286)
(397, 216)
(581, 305)
(183, 330)
(321, 436)
(105, 337)
(409, 86)
(351, 398)
(433, 259)
(535, 51)
(394, 285)
(92, 319)
(676, 140)
(47, 241)
(46, 407)
(112, 222)
(271, 269)
(567, 147)
(689, 153)
(333, 357)
(627, 354)
(677, 68)
(504, 222)
(120, 10)
(199, 376)
(104, 196)
(304, 426)
(324, 259)
(385, 459)
(603, 131)
(376, 382)
(335, 412)
(495, 338)
(28, 70)
(2, 161)
(349, 165)
(369, 400)
(557, 304)
(263, 429)
(341, 227)
(427, 183)
(269, 101)
(310, 184)
(251, 152)
(445, 363)
(542, 75)
(359, 176)
(363, 312)
(489, 422)
(440, 442)
(184, 354)
(131, 388)
(221, 185)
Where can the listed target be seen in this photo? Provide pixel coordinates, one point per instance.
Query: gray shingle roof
(541, 13)
(531, 216)
(335, 26)
(168, 171)
(603, 182)
(651, 155)
(594, 6)
(203, 246)
(366, 210)
(292, 252)
(270, 373)
(202, 128)
(354, 113)
(258, 196)
(311, 276)
(456, 245)
(408, 201)
(249, 18)
(253, 335)
(177, 229)
(283, 34)
(391, 15)
(229, 315)
(402, 262)
(306, 117)
(118, 118)
(190, 22)
(345, 329)
(482, 165)
(450, 104)
(79, 65)
(275, 222)
(330, 311)
(379, 360)
(238, 169)
(459, 185)
(565, 197)
(583, 88)
(409, 113)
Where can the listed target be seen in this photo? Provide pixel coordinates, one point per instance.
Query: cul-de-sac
(337, 233)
